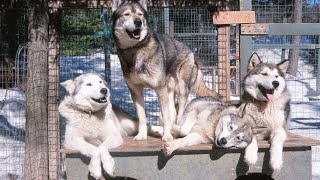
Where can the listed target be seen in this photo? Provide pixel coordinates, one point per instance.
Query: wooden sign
(234, 17)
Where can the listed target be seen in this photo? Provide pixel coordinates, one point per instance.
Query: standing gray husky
(268, 101)
(156, 61)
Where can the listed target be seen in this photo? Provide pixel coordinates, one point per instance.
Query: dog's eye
(277, 76)
(264, 74)
(89, 84)
(230, 127)
(126, 14)
(100, 82)
(238, 138)
(140, 14)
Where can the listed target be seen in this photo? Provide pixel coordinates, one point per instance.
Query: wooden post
(53, 94)
(171, 29)
(224, 61)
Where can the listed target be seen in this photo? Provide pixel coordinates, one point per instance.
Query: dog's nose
(138, 23)
(275, 84)
(223, 141)
(104, 91)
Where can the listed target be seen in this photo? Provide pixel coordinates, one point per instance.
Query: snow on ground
(12, 125)
(305, 110)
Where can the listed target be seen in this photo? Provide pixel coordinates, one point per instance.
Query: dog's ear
(241, 110)
(69, 85)
(283, 66)
(116, 4)
(143, 3)
(253, 61)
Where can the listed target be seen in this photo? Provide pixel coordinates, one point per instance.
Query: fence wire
(13, 35)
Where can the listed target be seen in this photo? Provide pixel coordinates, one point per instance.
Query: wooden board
(234, 17)
(255, 29)
(155, 145)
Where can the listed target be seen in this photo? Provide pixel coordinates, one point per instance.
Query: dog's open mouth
(134, 34)
(101, 100)
(268, 93)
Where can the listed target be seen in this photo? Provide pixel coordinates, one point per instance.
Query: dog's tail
(199, 87)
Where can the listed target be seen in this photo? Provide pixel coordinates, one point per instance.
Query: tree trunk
(294, 53)
(36, 149)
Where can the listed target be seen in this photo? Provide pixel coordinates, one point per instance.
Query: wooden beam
(254, 29)
(234, 17)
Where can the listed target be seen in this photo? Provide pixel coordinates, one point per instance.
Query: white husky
(91, 125)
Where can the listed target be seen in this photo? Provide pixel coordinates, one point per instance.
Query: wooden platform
(144, 160)
(155, 145)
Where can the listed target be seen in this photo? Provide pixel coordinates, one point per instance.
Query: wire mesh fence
(86, 46)
(13, 34)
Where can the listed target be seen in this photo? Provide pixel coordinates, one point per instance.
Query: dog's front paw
(140, 137)
(276, 164)
(168, 148)
(108, 164)
(167, 137)
(251, 155)
(95, 168)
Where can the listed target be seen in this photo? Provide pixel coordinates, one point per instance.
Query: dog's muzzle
(135, 34)
(104, 99)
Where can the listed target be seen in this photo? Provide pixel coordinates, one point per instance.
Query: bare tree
(36, 154)
(294, 53)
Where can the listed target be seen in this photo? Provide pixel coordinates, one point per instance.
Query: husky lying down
(93, 126)
(268, 101)
(207, 120)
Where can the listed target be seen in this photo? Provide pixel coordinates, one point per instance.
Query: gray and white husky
(93, 126)
(207, 120)
(157, 61)
(268, 102)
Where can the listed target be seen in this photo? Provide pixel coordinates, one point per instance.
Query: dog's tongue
(270, 95)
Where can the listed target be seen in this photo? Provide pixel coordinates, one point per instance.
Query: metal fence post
(245, 43)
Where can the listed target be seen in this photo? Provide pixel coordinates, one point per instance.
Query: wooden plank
(254, 29)
(155, 145)
(234, 17)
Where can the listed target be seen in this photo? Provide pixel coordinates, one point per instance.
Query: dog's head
(265, 81)
(236, 129)
(88, 92)
(130, 22)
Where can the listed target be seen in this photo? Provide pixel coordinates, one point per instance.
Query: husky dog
(268, 101)
(207, 120)
(157, 61)
(91, 125)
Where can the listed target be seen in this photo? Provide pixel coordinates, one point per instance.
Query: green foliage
(13, 31)
(79, 31)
